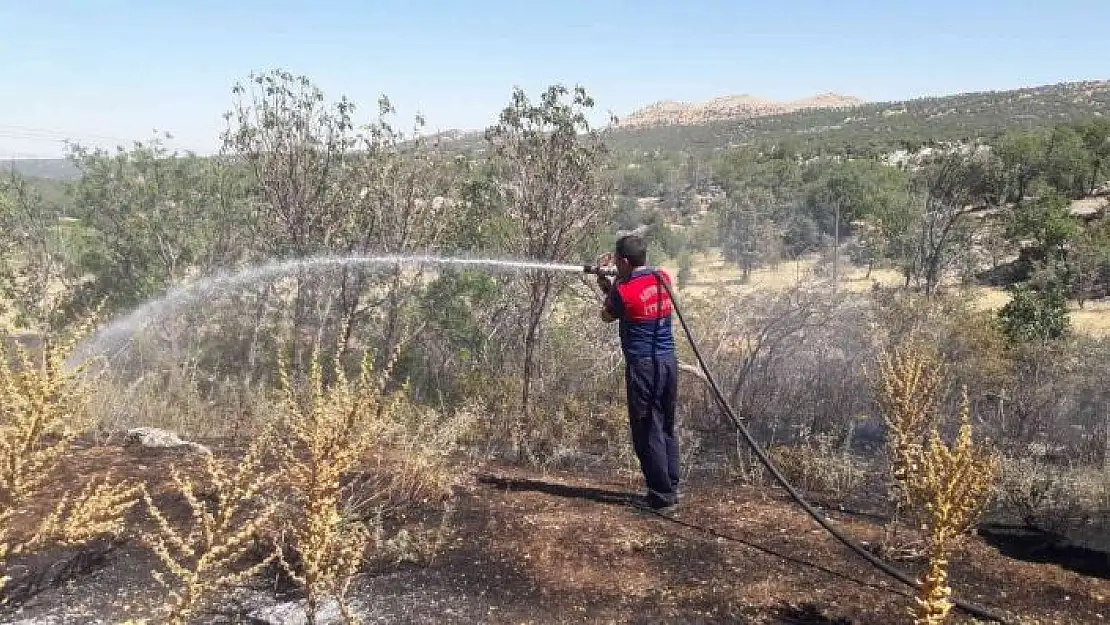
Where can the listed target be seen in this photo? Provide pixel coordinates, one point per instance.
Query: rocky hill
(671, 112)
(838, 125)
(827, 122)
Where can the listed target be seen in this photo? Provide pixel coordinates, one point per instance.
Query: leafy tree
(153, 217)
(849, 190)
(1096, 139)
(1068, 165)
(397, 195)
(748, 234)
(1035, 314)
(775, 172)
(867, 192)
(800, 234)
(548, 164)
(1089, 259)
(463, 311)
(638, 180)
(1048, 222)
(36, 255)
(295, 146)
(1023, 159)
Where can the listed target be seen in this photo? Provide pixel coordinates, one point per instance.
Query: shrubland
(343, 396)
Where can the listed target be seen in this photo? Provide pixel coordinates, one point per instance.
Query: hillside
(823, 122)
(883, 125)
(45, 168)
(727, 108)
(841, 123)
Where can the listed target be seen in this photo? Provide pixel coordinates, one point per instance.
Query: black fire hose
(822, 520)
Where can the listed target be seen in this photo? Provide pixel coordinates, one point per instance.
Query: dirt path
(564, 547)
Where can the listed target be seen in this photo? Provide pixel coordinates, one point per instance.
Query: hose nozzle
(599, 271)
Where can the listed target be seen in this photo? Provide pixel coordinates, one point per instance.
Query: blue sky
(102, 71)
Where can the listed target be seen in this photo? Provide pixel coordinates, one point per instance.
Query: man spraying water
(644, 309)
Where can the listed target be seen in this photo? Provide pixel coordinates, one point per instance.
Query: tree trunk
(541, 288)
(931, 271)
(392, 319)
(349, 290)
(526, 385)
(300, 307)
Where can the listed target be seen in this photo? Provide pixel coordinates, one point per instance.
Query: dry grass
(1051, 497)
(1093, 319)
(711, 272)
(819, 465)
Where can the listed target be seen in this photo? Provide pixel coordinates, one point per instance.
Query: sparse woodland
(342, 407)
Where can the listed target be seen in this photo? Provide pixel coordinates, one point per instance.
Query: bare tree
(549, 162)
(33, 255)
(295, 146)
(399, 192)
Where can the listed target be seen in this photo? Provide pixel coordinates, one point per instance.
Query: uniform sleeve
(613, 303)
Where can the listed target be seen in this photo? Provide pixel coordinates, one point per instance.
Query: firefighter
(638, 299)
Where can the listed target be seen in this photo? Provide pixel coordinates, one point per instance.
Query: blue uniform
(643, 308)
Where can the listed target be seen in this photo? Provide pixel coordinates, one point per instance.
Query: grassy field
(711, 271)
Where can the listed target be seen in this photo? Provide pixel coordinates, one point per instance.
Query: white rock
(159, 439)
(294, 613)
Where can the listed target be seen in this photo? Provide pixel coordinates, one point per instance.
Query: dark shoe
(653, 503)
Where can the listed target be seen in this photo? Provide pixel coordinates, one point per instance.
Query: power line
(28, 133)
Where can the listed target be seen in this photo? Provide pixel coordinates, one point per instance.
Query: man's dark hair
(633, 249)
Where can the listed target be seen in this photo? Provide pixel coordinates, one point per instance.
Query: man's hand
(603, 281)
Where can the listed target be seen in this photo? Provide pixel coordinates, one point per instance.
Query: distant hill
(44, 168)
(842, 123)
(878, 125)
(824, 122)
(727, 108)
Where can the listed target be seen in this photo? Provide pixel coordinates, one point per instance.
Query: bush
(1035, 315)
(1049, 497)
(821, 465)
(43, 411)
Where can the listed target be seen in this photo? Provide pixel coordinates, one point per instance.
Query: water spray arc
(115, 337)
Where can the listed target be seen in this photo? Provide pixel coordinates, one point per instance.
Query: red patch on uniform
(644, 299)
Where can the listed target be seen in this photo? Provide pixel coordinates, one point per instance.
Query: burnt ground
(566, 547)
